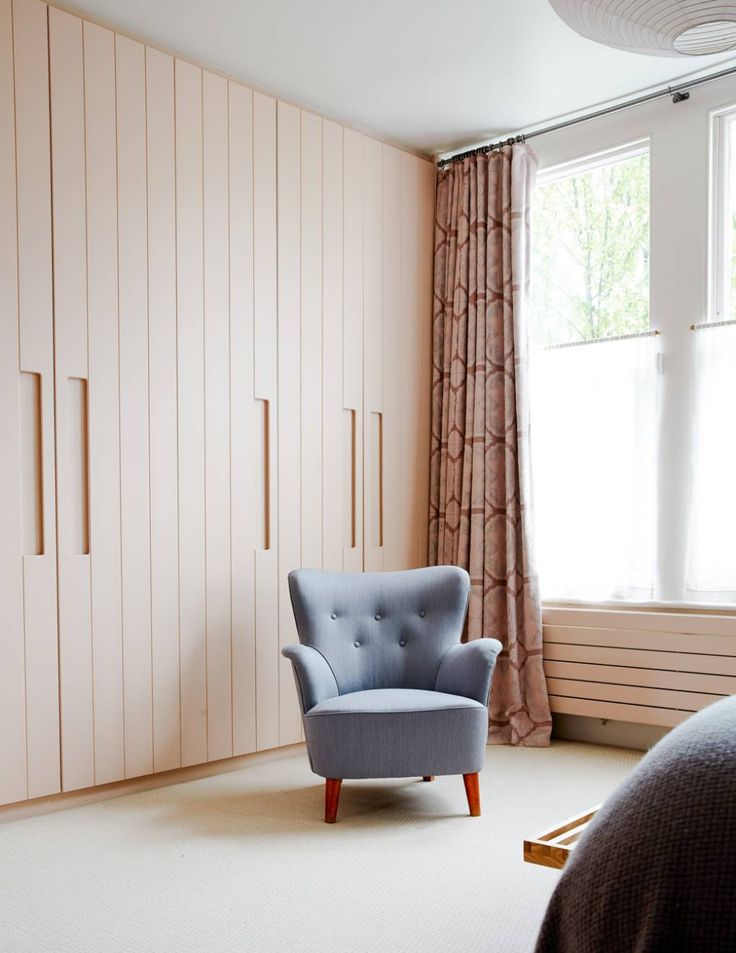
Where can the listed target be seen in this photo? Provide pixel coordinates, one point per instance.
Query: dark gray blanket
(655, 872)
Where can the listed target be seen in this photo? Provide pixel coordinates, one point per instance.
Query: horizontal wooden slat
(571, 825)
(545, 855)
(553, 848)
(638, 714)
(571, 838)
(641, 658)
(649, 621)
(629, 694)
(696, 643)
(645, 677)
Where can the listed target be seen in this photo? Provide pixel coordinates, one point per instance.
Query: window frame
(595, 160)
(682, 216)
(719, 277)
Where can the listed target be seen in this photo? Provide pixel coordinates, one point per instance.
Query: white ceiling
(428, 74)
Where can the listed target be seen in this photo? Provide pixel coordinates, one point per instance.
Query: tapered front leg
(332, 799)
(472, 790)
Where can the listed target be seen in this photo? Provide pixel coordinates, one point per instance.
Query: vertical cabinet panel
(35, 323)
(333, 499)
(392, 362)
(162, 376)
(265, 387)
(135, 516)
(311, 339)
(13, 485)
(217, 410)
(106, 718)
(104, 407)
(66, 64)
(373, 355)
(246, 469)
(353, 347)
(407, 207)
(423, 339)
(34, 276)
(410, 383)
(404, 397)
(190, 301)
(289, 416)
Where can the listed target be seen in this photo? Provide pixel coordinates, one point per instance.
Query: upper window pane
(590, 265)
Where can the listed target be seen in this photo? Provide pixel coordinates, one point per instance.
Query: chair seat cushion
(393, 700)
(396, 732)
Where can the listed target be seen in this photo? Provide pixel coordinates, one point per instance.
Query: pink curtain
(480, 516)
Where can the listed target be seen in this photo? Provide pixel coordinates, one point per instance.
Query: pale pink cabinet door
(373, 409)
(353, 214)
(97, 146)
(247, 474)
(112, 125)
(289, 398)
(342, 348)
(29, 723)
(335, 462)
(215, 170)
(68, 161)
(408, 197)
(265, 296)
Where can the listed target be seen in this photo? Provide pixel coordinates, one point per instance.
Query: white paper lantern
(656, 27)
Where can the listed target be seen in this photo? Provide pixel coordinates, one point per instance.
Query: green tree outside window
(590, 258)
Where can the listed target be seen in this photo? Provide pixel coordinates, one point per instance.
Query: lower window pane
(711, 564)
(594, 450)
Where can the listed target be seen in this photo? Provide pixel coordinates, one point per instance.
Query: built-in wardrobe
(215, 349)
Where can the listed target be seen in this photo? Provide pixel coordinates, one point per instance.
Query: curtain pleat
(480, 502)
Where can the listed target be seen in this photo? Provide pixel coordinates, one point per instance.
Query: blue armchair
(386, 688)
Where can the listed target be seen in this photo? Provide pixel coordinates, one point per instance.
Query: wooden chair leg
(428, 777)
(472, 791)
(332, 799)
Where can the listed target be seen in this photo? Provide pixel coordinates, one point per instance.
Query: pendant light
(654, 27)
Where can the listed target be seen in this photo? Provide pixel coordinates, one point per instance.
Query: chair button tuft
(333, 615)
(422, 613)
(356, 644)
(377, 617)
(402, 643)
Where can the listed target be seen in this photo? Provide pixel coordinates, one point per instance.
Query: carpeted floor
(243, 862)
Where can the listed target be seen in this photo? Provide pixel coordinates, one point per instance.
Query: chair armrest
(315, 680)
(467, 669)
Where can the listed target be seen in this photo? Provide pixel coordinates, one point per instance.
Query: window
(594, 380)
(633, 369)
(723, 218)
(591, 249)
(711, 550)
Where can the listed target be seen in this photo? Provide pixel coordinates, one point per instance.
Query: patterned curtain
(480, 516)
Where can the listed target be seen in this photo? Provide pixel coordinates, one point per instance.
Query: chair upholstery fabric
(314, 678)
(396, 732)
(425, 609)
(386, 688)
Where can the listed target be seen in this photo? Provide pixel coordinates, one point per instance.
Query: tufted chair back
(381, 630)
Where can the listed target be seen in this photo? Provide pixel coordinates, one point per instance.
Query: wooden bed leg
(472, 791)
(332, 799)
(428, 777)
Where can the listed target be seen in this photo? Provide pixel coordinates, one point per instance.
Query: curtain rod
(678, 92)
(651, 333)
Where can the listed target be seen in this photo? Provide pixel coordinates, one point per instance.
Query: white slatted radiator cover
(650, 668)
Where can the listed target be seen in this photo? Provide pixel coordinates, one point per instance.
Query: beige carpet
(242, 862)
